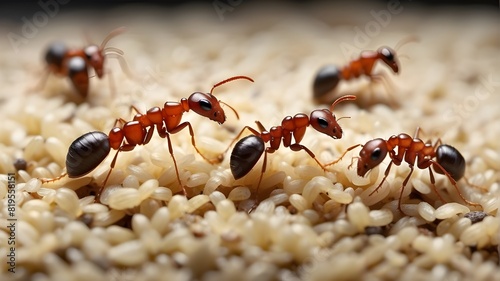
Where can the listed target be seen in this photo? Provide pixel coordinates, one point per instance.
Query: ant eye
(375, 154)
(91, 50)
(388, 54)
(323, 123)
(205, 104)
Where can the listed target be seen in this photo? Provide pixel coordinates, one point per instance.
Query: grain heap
(313, 225)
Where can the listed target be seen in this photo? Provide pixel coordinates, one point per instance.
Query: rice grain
(131, 253)
(450, 209)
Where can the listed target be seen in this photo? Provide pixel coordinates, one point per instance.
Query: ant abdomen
(55, 54)
(451, 160)
(326, 80)
(245, 155)
(86, 153)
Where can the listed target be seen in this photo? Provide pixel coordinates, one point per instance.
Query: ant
(444, 159)
(90, 149)
(75, 63)
(328, 77)
(249, 149)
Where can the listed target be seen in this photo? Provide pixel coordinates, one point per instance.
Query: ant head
(95, 58)
(323, 121)
(371, 155)
(95, 54)
(388, 56)
(208, 106)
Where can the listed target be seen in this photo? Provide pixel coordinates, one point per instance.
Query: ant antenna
(112, 34)
(234, 110)
(404, 41)
(114, 51)
(229, 80)
(341, 99)
(345, 117)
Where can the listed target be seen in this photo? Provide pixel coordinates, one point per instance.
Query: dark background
(14, 11)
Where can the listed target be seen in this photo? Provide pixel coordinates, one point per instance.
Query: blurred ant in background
(76, 63)
(328, 77)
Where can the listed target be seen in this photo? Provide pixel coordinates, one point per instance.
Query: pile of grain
(310, 224)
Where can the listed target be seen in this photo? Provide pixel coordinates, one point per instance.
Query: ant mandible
(249, 149)
(443, 158)
(74, 63)
(90, 149)
(328, 77)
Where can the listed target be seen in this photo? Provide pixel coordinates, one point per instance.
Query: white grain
(239, 193)
(339, 196)
(298, 201)
(358, 214)
(162, 193)
(177, 206)
(197, 179)
(131, 253)
(450, 209)
(67, 200)
(147, 188)
(196, 202)
(57, 149)
(124, 198)
(225, 209)
(426, 211)
(380, 217)
(160, 220)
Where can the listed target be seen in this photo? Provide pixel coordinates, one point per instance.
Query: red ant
(443, 158)
(328, 77)
(90, 149)
(74, 63)
(248, 150)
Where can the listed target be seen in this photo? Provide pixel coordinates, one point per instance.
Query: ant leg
(433, 182)
(454, 183)
(119, 120)
(297, 147)
(125, 147)
(41, 84)
(45, 180)
(403, 188)
(352, 162)
(483, 189)
(388, 85)
(191, 132)
(417, 132)
(260, 126)
(386, 173)
(171, 151)
(437, 144)
(263, 170)
(342, 156)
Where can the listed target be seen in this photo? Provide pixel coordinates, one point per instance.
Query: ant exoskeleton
(75, 63)
(328, 77)
(247, 151)
(90, 149)
(443, 158)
